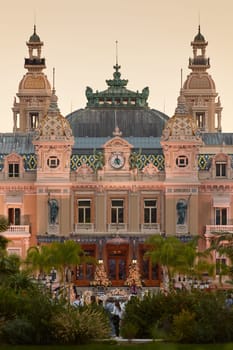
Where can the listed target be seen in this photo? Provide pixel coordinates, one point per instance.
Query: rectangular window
(84, 211)
(220, 216)
(220, 265)
(200, 118)
(34, 120)
(117, 211)
(14, 216)
(150, 211)
(13, 169)
(85, 271)
(221, 169)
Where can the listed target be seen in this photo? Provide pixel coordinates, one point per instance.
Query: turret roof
(34, 37)
(199, 37)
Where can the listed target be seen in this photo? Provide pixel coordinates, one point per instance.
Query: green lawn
(127, 346)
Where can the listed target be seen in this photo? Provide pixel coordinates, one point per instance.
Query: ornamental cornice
(10, 187)
(118, 187)
(216, 188)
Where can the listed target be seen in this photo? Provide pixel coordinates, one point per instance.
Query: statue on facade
(181, 209)
(53, 211)
(99, 160)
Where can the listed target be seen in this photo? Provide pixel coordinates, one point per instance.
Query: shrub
(18, 331)
(72, 326)
(184, 326)
(128, 330)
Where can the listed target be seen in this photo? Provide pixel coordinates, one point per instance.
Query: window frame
(220, 169)
(220, 220)
(15, 171)
(200, 120)
(182, 161)
(84, 209)
(150, 209)
(118, 211)
(53, 162)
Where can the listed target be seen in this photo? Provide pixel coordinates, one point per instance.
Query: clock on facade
(117, 160)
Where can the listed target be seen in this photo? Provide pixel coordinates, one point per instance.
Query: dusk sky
(153, 45)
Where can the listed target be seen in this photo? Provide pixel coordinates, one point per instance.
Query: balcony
(120, 227)
(150, 228)
(17, 230)
(84, 228)
(212, 229)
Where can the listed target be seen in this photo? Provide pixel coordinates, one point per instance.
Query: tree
(64, 256)
(177, 257)
(222, 242)
(4, 223)
(39, 260)
(165, 252)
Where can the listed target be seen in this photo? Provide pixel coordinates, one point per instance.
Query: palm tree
(39, 260)
(192, 262)
(222, 242)
(4, 223)
(64, 256)
(177, 257)
(165, 252)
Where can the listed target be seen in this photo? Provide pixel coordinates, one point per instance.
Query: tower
(181, 142)
(53, 143)
(34, 90)
(199, 89)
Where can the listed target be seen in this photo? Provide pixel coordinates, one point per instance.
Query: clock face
(117, 161)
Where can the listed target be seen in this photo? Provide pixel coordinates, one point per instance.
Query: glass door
(117, 265)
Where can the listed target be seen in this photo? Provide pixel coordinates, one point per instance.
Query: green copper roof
(101, 122)
(199, 36)
(34, 37)
(117, 95)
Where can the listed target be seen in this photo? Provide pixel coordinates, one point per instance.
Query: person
(133, 288)
(78, 301)
(229, 301)
(117, 314)
(181, 208)
(53, 205)
(109, 306)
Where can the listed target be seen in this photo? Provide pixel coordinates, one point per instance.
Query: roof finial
(34, 19)
(116, 53)
(199, 22)
(181, 78)
(115, 119)
(53, 79)
(116, 131)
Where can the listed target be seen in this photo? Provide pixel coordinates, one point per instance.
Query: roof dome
(34, 81)
(34, 37)
(199, 81)
(199, 37)
(101, 122)
(117, 106)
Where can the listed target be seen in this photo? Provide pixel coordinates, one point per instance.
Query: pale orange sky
(79, 41)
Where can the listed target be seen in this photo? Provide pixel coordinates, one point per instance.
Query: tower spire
(116, 53)
(53, 79)
(181, 78)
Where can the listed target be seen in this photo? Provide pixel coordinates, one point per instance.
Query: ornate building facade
(116, 172)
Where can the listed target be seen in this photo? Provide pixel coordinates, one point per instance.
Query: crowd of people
(114, 307)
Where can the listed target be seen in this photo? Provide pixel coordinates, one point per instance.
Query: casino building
(112, 174)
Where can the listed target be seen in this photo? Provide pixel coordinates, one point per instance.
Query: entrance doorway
(117, 264)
